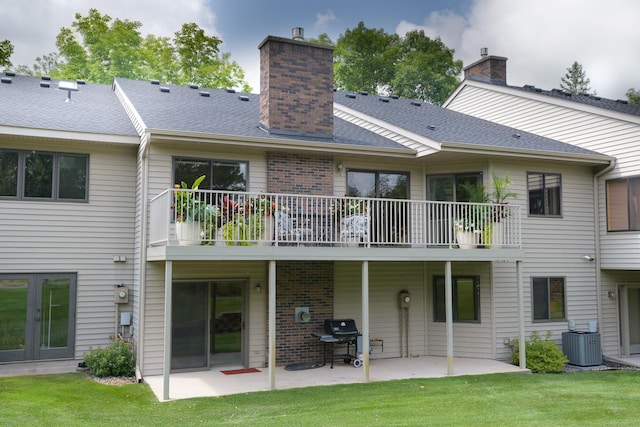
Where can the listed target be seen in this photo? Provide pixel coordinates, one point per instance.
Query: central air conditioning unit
(582, 348)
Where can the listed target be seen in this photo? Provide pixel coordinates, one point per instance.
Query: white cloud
(323, 20)
(543, 38)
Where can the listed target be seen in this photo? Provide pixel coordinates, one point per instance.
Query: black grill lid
(340, 326)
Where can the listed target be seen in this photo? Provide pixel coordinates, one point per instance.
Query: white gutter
(69, 136)
(598, 263)
(459, 147)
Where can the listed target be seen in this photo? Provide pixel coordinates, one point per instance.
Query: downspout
(596, 210)
(142, 274)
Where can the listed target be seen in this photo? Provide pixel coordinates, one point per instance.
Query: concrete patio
(215, 383)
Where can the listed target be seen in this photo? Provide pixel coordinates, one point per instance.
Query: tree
(97, 48)
(363, 59)
(322, 39)
(633, 96)
(426, 69)
(6, 50)
(576, 81)
(413, 66)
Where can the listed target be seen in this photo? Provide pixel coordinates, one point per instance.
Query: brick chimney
(492, 69)
(296, 86)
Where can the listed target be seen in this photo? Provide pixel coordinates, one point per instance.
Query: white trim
(423, 145)
(70, 136)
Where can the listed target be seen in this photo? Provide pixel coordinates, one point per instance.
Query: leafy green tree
(633, 96)
(6, 50)
(322, 39)
(97, 48)
(364, 59)
(576, 81)
(425, 69)
(413, 66)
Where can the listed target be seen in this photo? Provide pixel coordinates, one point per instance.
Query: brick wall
(296, 86)
(302, 284)
(491, 68)
(300, 174)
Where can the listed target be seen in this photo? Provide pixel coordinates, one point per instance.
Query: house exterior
(608, 126)
(315, 204)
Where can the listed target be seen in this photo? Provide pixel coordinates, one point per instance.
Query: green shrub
(115, 360)
(543, 356)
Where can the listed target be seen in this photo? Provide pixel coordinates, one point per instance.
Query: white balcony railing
(224, 218)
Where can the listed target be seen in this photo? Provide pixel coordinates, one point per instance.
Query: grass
(585, 398)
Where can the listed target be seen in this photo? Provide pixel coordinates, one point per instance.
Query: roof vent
(516, 135)
(243, 98)
(69, 87)
(5, 80)
(297, 33)
(363, 92)
(164, 89)
(155, 82)
(10, 73)
(205, 94)
(350, 95)
(81, 82)
(193, 86)
(47, 78)
(394, 96)
(622, 101)
(431, 127)
(484, 51)
(416, 103)
(45, 84)
(383, 99)
(231, 91)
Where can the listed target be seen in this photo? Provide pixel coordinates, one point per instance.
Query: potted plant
(493, 235)
(469, 218)
(189, 210)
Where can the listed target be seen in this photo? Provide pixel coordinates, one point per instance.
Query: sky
(540, 38)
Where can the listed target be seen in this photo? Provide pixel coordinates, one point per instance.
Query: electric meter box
(122, 295)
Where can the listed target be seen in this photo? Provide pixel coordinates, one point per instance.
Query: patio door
(630, 319)
(207, 324)
(37, 316)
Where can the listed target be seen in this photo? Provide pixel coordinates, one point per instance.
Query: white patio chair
(286, 229)
(355, 227)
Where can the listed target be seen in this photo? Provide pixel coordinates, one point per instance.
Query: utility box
(582, 348)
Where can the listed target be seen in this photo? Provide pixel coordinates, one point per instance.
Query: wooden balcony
(233, 222)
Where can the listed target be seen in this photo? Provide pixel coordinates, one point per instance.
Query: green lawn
(576, 399)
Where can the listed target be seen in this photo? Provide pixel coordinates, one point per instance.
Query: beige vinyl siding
(606, 132)
(79, 238)
(255, 313)
(386, 280)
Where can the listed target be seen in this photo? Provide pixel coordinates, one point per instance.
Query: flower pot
(188, 233)
(268, 232)
(496, 236)
(467, 239)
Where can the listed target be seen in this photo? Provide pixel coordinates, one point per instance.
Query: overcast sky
(540, 38)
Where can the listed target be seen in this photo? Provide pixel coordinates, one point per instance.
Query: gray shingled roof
(442, 125)
(94, 108)
(619, 105)
(223, 113)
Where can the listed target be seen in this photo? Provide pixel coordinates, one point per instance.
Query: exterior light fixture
(258, 288)
(588, 257)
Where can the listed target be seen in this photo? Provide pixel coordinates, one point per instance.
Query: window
(220, 174)
(623, 204)
(43, 175)
(544, 193)
(383, 185)
(466, 299)
(449, 188)
(548, 298)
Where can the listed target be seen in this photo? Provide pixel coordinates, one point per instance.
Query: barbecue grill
(341, 333)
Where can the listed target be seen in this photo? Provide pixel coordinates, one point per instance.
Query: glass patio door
(227, 323)
(37, 316)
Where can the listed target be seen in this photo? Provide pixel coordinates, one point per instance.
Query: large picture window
(544, 193)
(466, 299)
(623, 204)
(220, 174)
(43, 175)
(548, 298)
